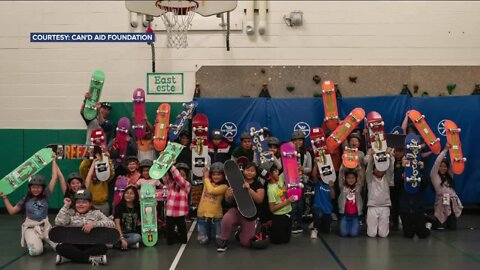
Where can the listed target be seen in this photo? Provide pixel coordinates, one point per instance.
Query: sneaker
(297, 229)
(96, 260)
(237, 235)
(135, 246)
(314, 234)
(428, 225)
(60, 259)
(222, 246)
(334, 217)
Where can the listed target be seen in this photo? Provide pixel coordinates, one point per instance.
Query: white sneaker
(334, 217)
(60, 259)
(136, 245)
(96, 260)
(428, 225)
(314, 234)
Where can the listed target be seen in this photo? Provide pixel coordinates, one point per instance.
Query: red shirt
(350, 203)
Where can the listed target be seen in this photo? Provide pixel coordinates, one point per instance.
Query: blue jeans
(208, 229)
(349, 226)
(131, 238)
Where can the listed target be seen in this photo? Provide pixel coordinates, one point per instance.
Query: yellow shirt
(210, 205)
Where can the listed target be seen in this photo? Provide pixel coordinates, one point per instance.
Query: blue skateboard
(181, 120)
(258, 140)
(413, 174)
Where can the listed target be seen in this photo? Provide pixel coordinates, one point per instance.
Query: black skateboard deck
(234, 176)
(75, 235)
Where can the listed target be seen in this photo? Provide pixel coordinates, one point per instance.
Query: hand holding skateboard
(87, 227)
(67, 202)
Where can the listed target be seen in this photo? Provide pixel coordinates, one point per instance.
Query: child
(448, 206)
(322, 204)
(127, 217)
(209, 213)
(99, 190)
(378, 213)
(305, 168)
(280, 206)
(350, 204)
(396, 189)
(274, 147)
(82, 215)
(186, 155)
(245, 148)
(100, 121)
(73, 184)
(177, 203)
(36, 226)
(145, 166)
(145, 144)
(218, 148)
(132, 170)
(233, 217)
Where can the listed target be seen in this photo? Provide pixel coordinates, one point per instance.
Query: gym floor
(443, 250)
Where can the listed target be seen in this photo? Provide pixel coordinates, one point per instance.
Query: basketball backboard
(205, 7)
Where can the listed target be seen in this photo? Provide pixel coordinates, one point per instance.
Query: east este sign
(165, 83)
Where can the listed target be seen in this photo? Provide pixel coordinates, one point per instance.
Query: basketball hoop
(177, 18)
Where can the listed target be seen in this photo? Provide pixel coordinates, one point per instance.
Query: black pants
(449, 224)
(395, 198)
(173, 237)
(80, 253)
(414, 223)
(281, 229)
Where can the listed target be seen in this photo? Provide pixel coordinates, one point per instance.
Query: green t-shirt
(277, 193)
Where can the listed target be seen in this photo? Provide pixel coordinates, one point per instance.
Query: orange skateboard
(456, 156)
(161, 127)
(425, 131)
(330, 104)
(350, 157)
(345, 128)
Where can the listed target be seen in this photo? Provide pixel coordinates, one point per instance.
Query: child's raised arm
(12, 210)
(91, 171)
(53, 181)
(63, 183)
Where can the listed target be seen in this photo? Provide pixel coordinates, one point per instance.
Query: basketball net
(177, 19)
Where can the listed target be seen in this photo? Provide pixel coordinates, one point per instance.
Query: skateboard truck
(457, 159)
(420, 118)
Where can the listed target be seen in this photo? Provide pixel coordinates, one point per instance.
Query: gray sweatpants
(378, 221)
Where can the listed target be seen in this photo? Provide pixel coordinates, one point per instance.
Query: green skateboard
(96, 85)
(165, 160)
(148, 206)
(22, 173)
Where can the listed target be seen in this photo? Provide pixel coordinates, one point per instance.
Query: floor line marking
(330, 250)
(183, 246)
(12, 261)
(459, 250)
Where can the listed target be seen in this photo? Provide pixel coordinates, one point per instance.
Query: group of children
(86, 202)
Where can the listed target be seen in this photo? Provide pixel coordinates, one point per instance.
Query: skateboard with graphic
(75, 235)
(259, 142)
(242, 162)
(98, 138)
(200, 157)
(196, 191)
(161, 194)
(148, 213)
(453, 138)
(378, 142)
(161, 127)
(309, 196)
(75, 151)
(95, 90)
(322, 155)
(102, 168)
(139, 121)
(121, 142)
(412, 172)
(181, 120)
(290, 170)
(425, 131)
(350, 157)
(165, 160)
(330, 104)
(120, 185)
(244, 201)
(26, 170)
(345, 128)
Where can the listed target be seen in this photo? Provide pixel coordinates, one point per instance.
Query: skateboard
(26, 170)
(290, 170)
(456, 156)
(181, 120)
(123, 128)
(120, 185)
(161, 127)
(148, 210)
(200, 157)
(102, 169)
(258, 140)
(75, 235)
(98, 138)
(75, 151)
(412, 172)
(242, 162)
(165, 160)
(425, 131)
(139, 121)
(345, 128)
(95, 90)
(330, 104)
(350, 157)
(309, 195)
(161, 194)
(322, 155)
(377, 140)
(234, 176)
(196, 191)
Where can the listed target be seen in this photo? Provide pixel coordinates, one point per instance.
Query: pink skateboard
(121, 137)
(140, 125)
(290, 170)
(120, 186)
